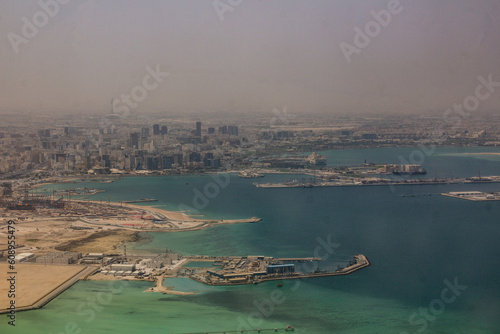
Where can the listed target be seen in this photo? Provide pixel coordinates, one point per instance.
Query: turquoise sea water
(415, 244)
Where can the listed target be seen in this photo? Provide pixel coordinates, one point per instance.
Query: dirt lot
(33, 281)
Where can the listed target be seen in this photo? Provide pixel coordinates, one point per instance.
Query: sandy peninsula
(93, 226)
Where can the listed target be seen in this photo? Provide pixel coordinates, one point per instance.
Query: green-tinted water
(414, 244)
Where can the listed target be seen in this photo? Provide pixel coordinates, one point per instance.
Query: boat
(279, 285)
(250, 174)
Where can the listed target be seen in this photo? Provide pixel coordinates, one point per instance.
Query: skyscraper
(232, 130)
(156, 129)
(134, 139)
(198, 129)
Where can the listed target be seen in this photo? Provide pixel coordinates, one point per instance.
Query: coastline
(97, 226)
(177, 221)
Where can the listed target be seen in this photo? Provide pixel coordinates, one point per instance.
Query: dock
(204, 258)
(361, 262)
(476, 196)
(239, 221)
(240, 275)
(349, 182)
(298, 259)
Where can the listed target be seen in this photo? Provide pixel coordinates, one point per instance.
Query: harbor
(475, 196)
(177, 283)
(351, 181)
(57, 271)
(259, 269)
(225, 270)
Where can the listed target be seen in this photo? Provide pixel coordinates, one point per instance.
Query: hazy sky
(260, 55)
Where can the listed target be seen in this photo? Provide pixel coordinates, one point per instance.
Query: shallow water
(415, 245)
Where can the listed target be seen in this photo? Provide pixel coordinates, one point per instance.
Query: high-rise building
(87, 162)
(198, 129)
(167, 161)
(145, 132)
(156, 129)
(163, 130)
(194, 157)
(223, 129)
(232, 130)
(105, 161)
(152, 163)
(44, 133)
(178, 159)
(211, 131)
(134, 139)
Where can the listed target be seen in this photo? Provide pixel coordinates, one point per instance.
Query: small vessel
(250, 174)
(279, 285)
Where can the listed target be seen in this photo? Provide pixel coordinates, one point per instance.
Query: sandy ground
(175, 221)
(43, 235)
(99, 242)
(174, 215)
(166, 289)
(92, 226)
(157, 288)
(169, 291)
(33, 281)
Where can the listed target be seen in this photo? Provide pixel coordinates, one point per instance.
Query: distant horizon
(238, 114)
(344, 57)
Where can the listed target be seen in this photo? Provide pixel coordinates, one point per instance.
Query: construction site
(24, 200)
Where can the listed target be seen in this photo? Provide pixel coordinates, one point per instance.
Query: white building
(24, 257)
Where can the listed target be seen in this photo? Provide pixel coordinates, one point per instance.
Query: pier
(238, 271)
(361, 262)
(349, 182)
(298, 259)
(476, 196)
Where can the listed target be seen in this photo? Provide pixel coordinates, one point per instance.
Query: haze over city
(249, 57)
(249, 166)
